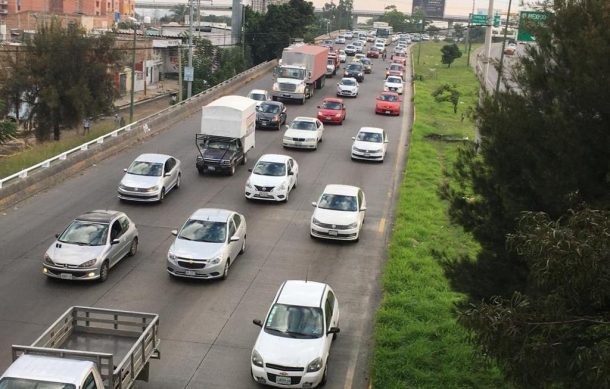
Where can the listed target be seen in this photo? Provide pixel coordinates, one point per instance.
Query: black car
(271, 114)
(219, 154)
(355, 70)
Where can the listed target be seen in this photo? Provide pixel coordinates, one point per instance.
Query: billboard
(431, 8)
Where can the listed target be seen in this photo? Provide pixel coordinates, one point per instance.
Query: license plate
(388, 112)
(286, 95)
(298, 143)
(283, 380)
(263, 194)
(332, 232)
(66, 276)
(328, 117)
(264, 122)
(367, 154)
(211, 168)
(190, 272)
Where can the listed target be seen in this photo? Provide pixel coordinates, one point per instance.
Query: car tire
(244, 160)
(225, 272)
(243, 246)
(324, 376)
(104, 271)
(286, 198)
(133, 249)
(178, 181)
(200, 170)
(162, 195)
(232, 171)
(296, 181)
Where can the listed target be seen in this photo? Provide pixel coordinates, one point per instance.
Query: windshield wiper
(299, 334)
(185, 238)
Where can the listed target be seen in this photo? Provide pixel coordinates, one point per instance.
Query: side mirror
(175, 232)
(386, 141)
(353, 138)
(167, 174)
(291, 173)
(363, 208)
(314, 204)
(337, 84)
(258, 108)
(333, 330)
(250, 169)
(318, 106)
(234, 238)
(115, 241)
(125, 170)
(257, 322)
(57, 235)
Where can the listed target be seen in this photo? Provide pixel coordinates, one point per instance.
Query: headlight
(281, 187)
(300, 88)
(316, 222)
(337, 115)
(226, 162)
(248, 184)
(88, 263)
(385, 88)
(214, 261)
(153, 189)
(287, 138)
(276, 86)
(276, 118)
(257, 360)
(121, 186)
(48, 260)
(310, 139)
(171, 255)
(352, 225)
(314, 365)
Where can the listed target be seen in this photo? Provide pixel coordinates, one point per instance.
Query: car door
(294, 166)
(240, 227)
(320, 129)
(116, 250)
(330, 320)
(234, 247)
(283, 115)
(385, 143)
(343, 110)
(168, 173)
(361, 206)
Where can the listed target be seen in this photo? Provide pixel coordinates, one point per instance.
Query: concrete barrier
(25, 184)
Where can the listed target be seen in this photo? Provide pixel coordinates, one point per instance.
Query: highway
(509, 64)
(206, 328)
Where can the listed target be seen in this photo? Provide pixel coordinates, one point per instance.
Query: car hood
(196, 250)
(73, 254)
(328, 112)
(346, 87)
(260, 180)
(292, 133)
(289, 81)
(388, 104)
(330, 216)
(348, 71)
(393, 85)
(367, 145)
(273, 348)
(217, 154)
(136, 181)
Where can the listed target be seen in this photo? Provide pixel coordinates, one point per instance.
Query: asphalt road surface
(509, 63)
(206, 328)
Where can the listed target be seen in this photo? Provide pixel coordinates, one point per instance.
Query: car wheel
(287, 195)
(324, 376)
(296, 181)
(178, 181)
(134, 247)
(303, 101)
(162, 195)
(273, 98)
(232, 171)
(225, 272)
(104, 271)
(244, 160)
(200, 170)
(243, 246)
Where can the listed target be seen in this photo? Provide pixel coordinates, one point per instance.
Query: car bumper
(346, 93)
(138, 196)
(328, 233)
(207, 272)
(209, 168)
(253, 194)
(298, 379)
(300, 145)
(378, 156)
(70, 274)
(267, 124)
(289, 95)
(387, 111)
(330, 119)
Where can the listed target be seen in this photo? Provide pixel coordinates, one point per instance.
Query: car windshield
(85, 233)
(394, 80)
(297, 74)
(295, 321)
(331, 61)
(338, 202)
(395, 67)
(388, 97)
(302, 125)
(143, 168)
(220, 145)
(25, 383)
(258, 96)
(370, 137)
(350, 47)
(366, 61)
(204, 231)
(348, 81)
(265, 168)
(354, 67)
(269, 108)
(334, 105)
(341, 51)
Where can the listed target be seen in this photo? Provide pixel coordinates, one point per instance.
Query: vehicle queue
(210, 240)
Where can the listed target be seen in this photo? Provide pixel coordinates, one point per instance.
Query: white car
(370, 144)
(348, 86)
(303, 132)
(150, 177)
(350, 50)
(273, 177)
(207, 244)
(259, 95)
(342, 56)
(339, 213)
(348, 35)
(340, 39)
(380, 47)
(293, 345)
(393, 84)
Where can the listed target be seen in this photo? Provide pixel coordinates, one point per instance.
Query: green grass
(40, 152)
(418, 342)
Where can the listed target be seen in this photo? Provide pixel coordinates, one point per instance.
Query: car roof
(371, 129)
(44, 368)
(160, 158)
(389, 93)
(211, 214)
(332, 99)
(304, 119)
(274, 158)
(261, 91)
(347, 190)
(301, 293)
(99, 215)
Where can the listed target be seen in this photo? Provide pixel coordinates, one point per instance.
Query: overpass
(356, 13)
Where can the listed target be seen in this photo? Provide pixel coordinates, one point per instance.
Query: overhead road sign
(528, 21)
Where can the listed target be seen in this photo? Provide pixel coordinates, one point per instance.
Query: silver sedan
(207, 244)
(92, 244)
(150, 177)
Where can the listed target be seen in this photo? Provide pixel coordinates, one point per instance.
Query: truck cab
(33, 371)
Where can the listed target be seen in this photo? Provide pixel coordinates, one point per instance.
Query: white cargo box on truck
(231, 117)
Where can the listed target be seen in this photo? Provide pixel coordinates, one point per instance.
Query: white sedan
(342, 56)
(303, 132)
(259, 95)
(150, 177)
(370, 144)
(393, 84)
(348, 86)
(272, 178)
(339, 213)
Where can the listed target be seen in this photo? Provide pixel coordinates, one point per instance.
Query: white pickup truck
(87, 348)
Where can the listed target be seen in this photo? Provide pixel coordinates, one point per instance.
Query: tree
(544, 149)
(63, 75)
(448, 93)
(450, 54)
(459, 30)
(179, 13)
(8, 129)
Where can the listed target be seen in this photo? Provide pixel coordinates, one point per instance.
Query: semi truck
(227, 134)
(87, 348)
(302, 70)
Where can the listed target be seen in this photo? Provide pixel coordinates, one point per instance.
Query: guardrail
(143, 124)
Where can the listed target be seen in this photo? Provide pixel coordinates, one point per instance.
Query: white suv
(293, 346)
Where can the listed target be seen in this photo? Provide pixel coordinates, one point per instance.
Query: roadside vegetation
(418, 342)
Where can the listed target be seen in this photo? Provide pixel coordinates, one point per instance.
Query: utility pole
(180, 86)
(487, 47)
(133, 71)
(189, 85)
(423, 25)
(500, 68)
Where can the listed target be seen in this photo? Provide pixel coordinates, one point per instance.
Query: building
(431, 8)
(260, 6)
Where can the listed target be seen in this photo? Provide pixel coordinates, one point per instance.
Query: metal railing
(142, 124)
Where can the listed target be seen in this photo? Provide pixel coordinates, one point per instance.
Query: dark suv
(355, 70)
(218, 154)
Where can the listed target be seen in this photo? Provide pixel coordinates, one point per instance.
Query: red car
(399, 59)
(395, 69)
(332, 110)
(373, 52)
(388, 103)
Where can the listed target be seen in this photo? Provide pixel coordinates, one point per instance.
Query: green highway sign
(496, 20)
(480, 20)
(527, 20)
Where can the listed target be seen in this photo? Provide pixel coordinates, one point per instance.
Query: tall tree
(450, 53)
(179, 12)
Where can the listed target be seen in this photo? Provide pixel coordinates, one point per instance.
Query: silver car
(150, 177)
(207, 244)
(92, 244)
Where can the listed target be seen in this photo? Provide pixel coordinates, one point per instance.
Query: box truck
(302, 69)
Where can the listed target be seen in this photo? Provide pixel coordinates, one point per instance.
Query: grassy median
(418, 342)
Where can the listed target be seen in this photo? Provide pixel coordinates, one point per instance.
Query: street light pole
(500, 68)
(133, 73)
(189, 85)
(487, 48)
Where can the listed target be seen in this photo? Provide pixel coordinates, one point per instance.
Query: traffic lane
(163, 301)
